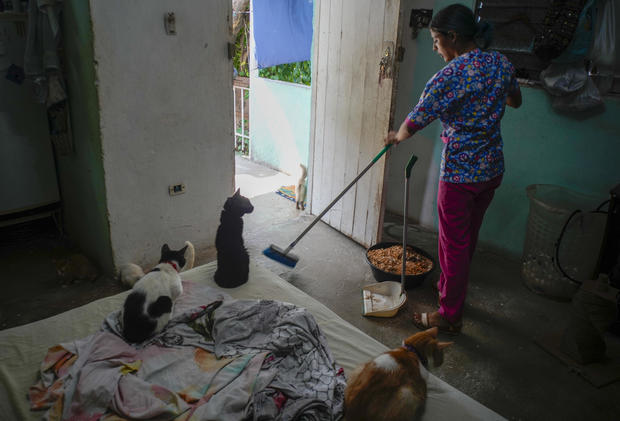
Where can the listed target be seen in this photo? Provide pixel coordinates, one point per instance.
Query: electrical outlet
(175, 189)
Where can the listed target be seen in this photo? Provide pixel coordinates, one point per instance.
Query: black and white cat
(233, 260)
(148, 307)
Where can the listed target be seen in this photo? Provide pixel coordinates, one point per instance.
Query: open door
(352, 80)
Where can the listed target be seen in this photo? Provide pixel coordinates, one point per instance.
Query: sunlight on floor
(254, 179)
(252, 186)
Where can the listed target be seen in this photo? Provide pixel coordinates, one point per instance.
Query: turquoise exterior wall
(279, 123)
(540, 147)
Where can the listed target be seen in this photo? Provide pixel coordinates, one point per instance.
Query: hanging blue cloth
(282, 31)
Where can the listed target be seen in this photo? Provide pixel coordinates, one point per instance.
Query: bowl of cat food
(385, 260)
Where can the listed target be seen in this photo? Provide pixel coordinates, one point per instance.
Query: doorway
(271, 96)
(350, 99)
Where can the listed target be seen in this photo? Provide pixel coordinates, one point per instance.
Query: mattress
(22, 348)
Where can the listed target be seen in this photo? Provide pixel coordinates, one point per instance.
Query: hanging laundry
(282, 31)
(43, 37)
(42, 66)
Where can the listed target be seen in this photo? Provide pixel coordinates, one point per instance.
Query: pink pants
(461, 207)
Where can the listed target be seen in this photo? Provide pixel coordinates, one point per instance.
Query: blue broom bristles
(277, 254)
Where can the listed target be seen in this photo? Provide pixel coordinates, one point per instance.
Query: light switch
(170, 23)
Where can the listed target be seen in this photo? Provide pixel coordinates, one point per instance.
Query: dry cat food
(390, 260)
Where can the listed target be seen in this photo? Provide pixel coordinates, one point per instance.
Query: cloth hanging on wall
(282, 31)
(43, 65)
(604, 53)
(579, 46)
(558, 28)
(43, 37)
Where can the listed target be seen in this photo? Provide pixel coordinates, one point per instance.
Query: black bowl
(411, 281)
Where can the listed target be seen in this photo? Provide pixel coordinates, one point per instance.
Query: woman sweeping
(469, 96)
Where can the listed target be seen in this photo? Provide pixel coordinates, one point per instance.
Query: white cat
(147, 309)
(301, 188)
(130, 273)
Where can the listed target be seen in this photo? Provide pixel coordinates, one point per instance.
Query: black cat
(233, 260)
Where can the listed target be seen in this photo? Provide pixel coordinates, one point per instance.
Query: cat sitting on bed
(233, 260)
(148, 307)
(390, 387)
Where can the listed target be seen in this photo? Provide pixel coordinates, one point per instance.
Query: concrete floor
(495, 360)
(31, 289)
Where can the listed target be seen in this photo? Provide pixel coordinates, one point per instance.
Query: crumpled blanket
(217, 359)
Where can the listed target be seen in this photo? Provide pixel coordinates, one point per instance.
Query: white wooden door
(350, 111)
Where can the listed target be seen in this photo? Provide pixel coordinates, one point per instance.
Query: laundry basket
(562, 242)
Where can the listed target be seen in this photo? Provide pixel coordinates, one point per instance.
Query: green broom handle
(408, 168)
(318, 218)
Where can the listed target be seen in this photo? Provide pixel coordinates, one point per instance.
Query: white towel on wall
(43, 37)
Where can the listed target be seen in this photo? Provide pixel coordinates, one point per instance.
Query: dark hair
(460, 19)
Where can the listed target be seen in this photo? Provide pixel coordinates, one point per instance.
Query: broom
(283, 255)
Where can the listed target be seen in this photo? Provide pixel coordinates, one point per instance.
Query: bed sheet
(22, 348)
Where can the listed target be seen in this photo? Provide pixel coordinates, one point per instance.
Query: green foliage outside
(240, 60)
(293, 72)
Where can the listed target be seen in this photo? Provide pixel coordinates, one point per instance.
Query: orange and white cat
(390, 387)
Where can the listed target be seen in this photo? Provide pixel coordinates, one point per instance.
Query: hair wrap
(484, 34)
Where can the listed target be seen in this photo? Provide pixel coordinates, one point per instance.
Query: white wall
(166, 118)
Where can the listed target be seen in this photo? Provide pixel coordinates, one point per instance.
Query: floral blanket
(217, 359)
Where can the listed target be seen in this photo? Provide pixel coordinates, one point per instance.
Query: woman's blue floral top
(469, 97)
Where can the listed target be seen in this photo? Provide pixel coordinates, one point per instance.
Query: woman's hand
(394, 138)
(391, 138)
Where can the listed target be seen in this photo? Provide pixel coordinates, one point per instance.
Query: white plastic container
(549, 239)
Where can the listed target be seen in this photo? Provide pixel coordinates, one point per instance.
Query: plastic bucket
(411, 281)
